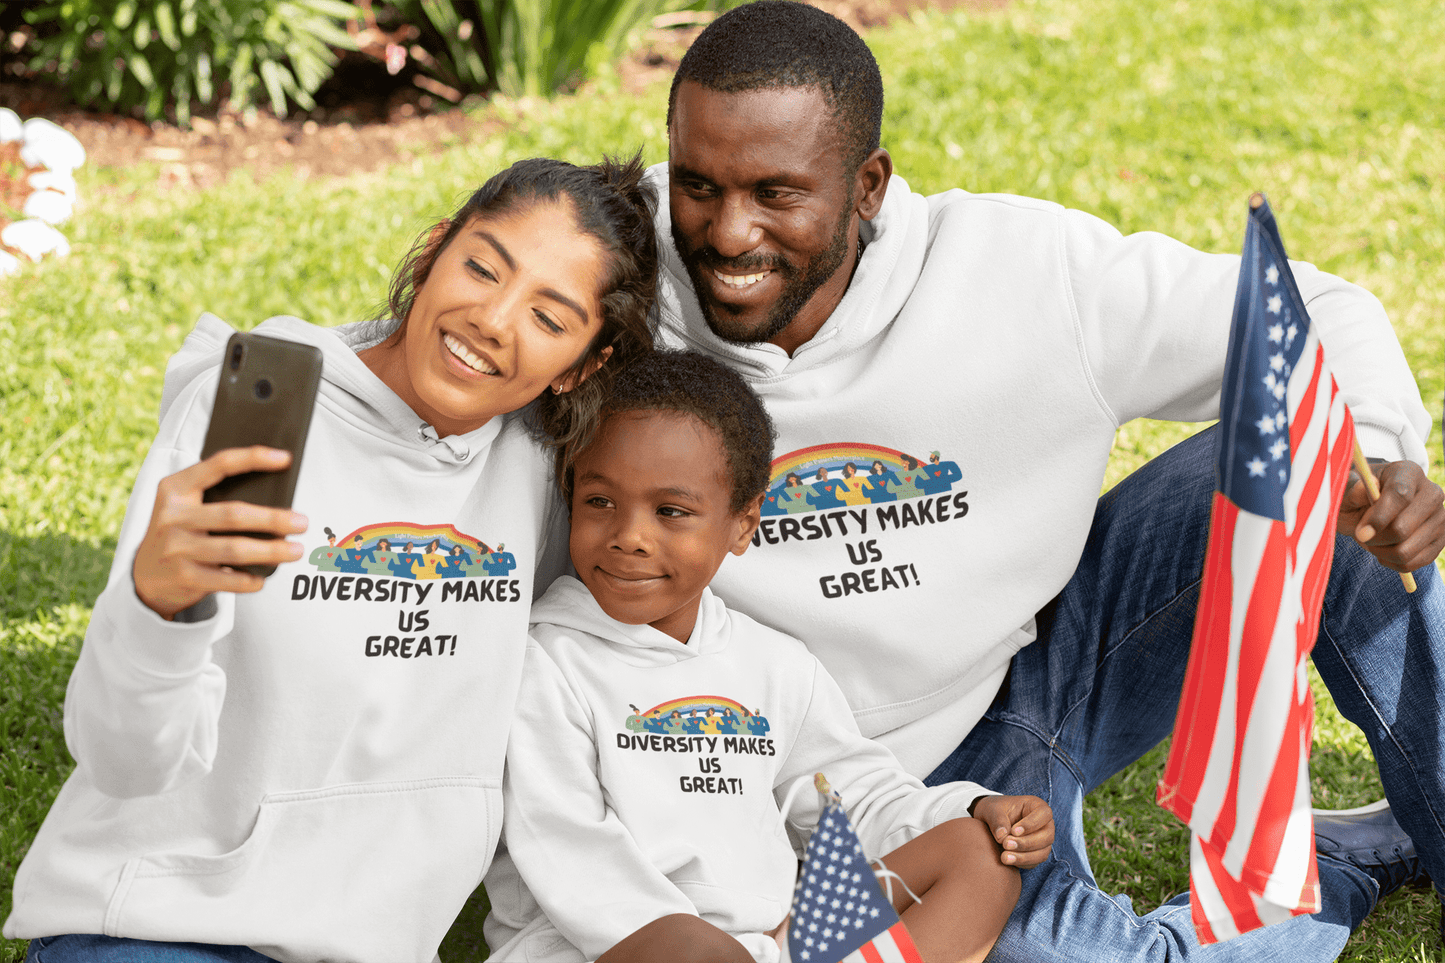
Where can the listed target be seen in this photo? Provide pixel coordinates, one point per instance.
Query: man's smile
(740, 281)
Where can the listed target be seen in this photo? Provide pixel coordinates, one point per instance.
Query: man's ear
(872, 184)
(748, 520)
(574, 376)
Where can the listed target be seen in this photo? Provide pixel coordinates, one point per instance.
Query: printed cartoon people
(793, 497)
(939, 476)
(431, 557)
(900, 477)
(325, 557)
(722, 717)
(909, 478)
(458, 556)
(455, 565)
(404, 564)
(499, 562)
(825, 491)
(850, 486)
(876, 485)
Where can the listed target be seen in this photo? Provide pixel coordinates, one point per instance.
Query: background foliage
(1155, 114)
(162, 56)
(534, 47)
(150, 53)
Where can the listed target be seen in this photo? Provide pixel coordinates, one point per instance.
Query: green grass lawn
(1155, 114)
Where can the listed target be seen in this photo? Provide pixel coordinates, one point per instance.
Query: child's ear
(748, 519)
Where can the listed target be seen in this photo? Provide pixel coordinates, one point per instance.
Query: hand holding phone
(218, 525)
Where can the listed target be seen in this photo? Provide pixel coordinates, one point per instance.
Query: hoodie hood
(348, 386)
(891, 263)
(568, 608)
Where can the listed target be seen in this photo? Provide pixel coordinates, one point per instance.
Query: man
(1029, 636)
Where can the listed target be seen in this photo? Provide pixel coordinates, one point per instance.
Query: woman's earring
(556, 390)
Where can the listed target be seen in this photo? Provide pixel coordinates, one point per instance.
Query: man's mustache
(708, 258)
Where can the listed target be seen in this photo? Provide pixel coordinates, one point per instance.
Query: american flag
(840, 914)
(1238, 770)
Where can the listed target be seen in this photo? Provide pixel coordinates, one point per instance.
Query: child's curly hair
(690, 383)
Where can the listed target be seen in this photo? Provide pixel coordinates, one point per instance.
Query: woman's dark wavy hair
(611, 205)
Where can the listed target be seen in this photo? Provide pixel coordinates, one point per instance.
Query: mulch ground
(364, 120)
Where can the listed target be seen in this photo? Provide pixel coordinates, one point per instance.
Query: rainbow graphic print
(412, 551)
(707, 715)
(844, 474)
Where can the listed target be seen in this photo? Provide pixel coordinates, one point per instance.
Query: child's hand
(1022, 825)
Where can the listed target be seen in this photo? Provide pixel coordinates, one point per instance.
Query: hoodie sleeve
(887, 806)
(575, 856)
(144, 701)
(1154, 317)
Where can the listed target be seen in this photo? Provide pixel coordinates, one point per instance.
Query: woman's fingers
(189, 550)
(231, 461)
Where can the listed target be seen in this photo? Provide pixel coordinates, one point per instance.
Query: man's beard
(798, 287)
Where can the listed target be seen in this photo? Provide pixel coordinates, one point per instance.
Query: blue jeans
(89, 948)
(1101, 686)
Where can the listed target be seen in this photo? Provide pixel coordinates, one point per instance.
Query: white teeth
(467, 357)
(740, 280)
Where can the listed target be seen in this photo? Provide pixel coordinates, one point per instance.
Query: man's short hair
(780, 43)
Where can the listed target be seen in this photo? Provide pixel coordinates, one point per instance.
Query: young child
(295, 768)
(626, 842)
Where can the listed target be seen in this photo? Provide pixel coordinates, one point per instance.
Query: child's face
(651, 521)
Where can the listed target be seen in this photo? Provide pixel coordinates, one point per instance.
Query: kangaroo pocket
(373, 871)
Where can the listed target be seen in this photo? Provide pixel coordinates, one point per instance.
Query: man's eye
(671, 511)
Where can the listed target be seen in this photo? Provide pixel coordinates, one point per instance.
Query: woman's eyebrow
(561, 298)
(502, 252)
(552, 293)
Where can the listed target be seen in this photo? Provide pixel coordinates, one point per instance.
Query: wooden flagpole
(1368, 477)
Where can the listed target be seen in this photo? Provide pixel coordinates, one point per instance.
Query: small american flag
(840, 914)
(1238, 770)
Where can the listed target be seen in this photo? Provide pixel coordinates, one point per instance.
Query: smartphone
(265, 397)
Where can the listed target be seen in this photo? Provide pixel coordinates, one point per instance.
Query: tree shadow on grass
(42, 572)
(48, 584)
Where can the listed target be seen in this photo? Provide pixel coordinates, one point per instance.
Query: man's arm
(1154, 315)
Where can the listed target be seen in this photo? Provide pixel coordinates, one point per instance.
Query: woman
(309, 766)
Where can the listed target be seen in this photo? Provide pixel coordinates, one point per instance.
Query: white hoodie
(315, 771)
(1013, 337)
(619, 812)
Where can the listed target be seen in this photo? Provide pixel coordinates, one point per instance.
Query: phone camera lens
(263, 389)
(236, 352)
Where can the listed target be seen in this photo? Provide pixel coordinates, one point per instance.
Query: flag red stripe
(1275, 808)
(1259, 621)
(1199, 704)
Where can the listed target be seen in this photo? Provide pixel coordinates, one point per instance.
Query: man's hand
(1405, 529)
(1022, 825)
